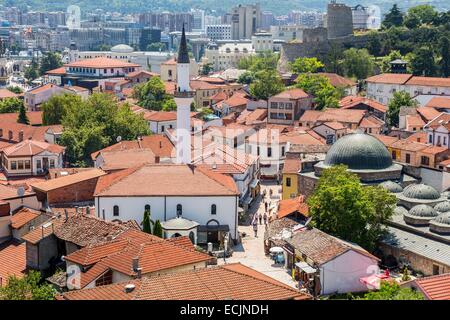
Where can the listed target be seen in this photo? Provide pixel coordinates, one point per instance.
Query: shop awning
(305, 267)
(373, 281)
(254, 183)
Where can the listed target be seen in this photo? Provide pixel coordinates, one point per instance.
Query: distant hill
(277, 6)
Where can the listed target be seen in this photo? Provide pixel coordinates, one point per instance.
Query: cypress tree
(23, 118)
(157, 229)
(146, 226)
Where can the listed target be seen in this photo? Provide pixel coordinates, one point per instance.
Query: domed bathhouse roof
(421, 191)
(391, 186)
(178, 224)
(122, 48)
(442, 206)
(420, 215)
(400, 211)
(359, 151)
(441, 224)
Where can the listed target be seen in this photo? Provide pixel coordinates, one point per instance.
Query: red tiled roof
(57, 71)
(292, 165)
(350, 102)
(294, 94)
(392, 78)
(386, 140)
(427, 113)
(338, 115)
(13, 261)
(22, 217)
(101, 62)
(371, 122)
(290, 206)
(233, 282)
(442, 120)
(202, 85)
(61, 182)
(429, 81)
(31, 148)
(439, 102)
(434, 150)
(142, 72)
(43, 88)
(159, 116)
(5, 93)
(435, 287)
(420, 136)
(35, 118)
(337, 80)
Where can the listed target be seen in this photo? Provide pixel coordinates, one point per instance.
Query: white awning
(305, 267)
(254, 183)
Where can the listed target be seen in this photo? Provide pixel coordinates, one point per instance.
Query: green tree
(399, 99)
(50, 61)
(423, 62)
(385, 64)
(342, 207)
(392, 291)
(246, 78)
(325, 95)
(157, 229)
(261, 61)
(207, 68)
(9, 105)
(156, 46)
(15, 89)
(393, 18)
(30, 287)
(267, 83)
(419, 15)
(306, 65)
(146, 224)
(152, 95)
(95, 124)
(55, 108)
(22, 117)
(31, 72)
(444, 63)
(358, 63)
(374, 44)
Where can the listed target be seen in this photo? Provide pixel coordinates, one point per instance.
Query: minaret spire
(183, 55)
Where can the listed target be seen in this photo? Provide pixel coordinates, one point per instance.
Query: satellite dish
(119, 138)
(20, 191)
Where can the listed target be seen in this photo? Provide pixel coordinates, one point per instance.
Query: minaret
(183, 65)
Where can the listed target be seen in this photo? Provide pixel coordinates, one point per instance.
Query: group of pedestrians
(260, 217)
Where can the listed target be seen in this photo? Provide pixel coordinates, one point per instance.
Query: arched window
(147, 207)
(179, 210)
(115, 211)
(213, 209)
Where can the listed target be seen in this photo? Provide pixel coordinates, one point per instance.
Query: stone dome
(442, 206)
(400, 211)
(423, 211)
(359, 151)
(391, 186)
(178, 224)
(122, 48)
(441, 224)
(421, 191)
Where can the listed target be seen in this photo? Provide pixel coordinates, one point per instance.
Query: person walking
(260, 218)
(265, 218)
(265, 205)
(255, 228)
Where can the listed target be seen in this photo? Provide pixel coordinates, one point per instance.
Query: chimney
(10, 135)
(66, 214)
(20, 135)
(109, 237)
(135, 264)
(160, 144)
(1, 132)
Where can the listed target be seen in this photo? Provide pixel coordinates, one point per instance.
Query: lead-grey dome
(400, 211)
(391, 186)
(122, 48)
(443, 206)
(423, 211)
(421, 191)
(443, 218)
(359, 151)
(179, 224)
(441, 224)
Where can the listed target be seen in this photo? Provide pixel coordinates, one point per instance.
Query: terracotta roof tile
(294, 94)
(351, 102)
(13, 261)
(216, 283)
(71, 179)
(102, 62)
(122, 159)
(392, 78)
(442, 120)
(386, 140)
(23, 216)
(337, 80)
(292, 165)
(5, 93)
(429, 81)
(57, 71)
(439, 102)
(289, 206)
(428, 113)
(31, 148)
(435, 287)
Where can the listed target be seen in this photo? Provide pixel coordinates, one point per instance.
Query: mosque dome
(421, 191)
(122, 48)
(359, 151)
(441, 224)
(442, 206)
(423, 211)
(391, 186)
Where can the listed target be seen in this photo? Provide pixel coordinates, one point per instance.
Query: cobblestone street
(251, 251)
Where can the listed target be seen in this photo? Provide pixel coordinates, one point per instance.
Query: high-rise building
(198, 20)
(218, 32)
(167, 21)
(267, 19)
(55, 19)
(245, 21)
